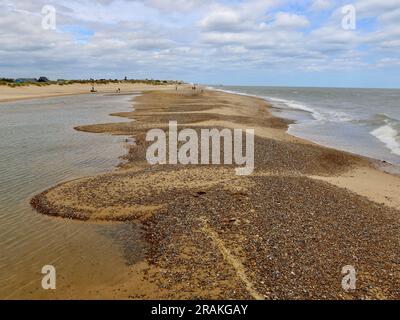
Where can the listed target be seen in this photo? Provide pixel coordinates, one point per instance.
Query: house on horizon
(24, 80)
(43, 79)
(30, 80)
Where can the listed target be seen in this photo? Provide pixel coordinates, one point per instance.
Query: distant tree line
(42, 81)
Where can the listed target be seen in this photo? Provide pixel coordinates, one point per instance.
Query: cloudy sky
(249, 42)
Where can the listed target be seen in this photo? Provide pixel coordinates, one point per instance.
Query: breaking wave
(320, 115)
(388, 133)
(381, 126)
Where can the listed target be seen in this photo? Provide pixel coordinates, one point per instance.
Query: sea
(360, 121)
(39, 148)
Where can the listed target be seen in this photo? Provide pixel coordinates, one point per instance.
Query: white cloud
(391, 17)
(376, 7)
(320, 5)
(177, 5)
(157, 37)
(290, 20)
(223, 19)
(388, 62)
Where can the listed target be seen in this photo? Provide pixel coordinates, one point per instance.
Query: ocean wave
(383, 128)
(388, 132)
(377, 120)
(233, 92)
(320, 115)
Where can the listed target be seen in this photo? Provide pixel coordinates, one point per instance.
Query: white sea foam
(389, 136)
(232, 92)
(320, 115)
(356, 120)
(296, 106)
(287, 103)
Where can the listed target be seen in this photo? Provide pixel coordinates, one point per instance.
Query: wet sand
(285, 232)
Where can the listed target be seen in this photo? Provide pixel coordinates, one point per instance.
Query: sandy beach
(8, 94)
(284, 232)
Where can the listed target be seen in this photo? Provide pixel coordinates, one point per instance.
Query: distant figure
(93, 90)
(176, 88)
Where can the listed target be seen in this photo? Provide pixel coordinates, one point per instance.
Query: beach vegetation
(14, 83)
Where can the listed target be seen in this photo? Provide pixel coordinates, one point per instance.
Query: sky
(237, 42)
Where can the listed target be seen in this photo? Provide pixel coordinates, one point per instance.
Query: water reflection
(38, 149)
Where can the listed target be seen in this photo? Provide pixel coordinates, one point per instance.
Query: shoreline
(190, 209)
(9, 94)
(381, 164)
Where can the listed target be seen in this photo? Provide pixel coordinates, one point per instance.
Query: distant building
(24, 80)
(43, 79)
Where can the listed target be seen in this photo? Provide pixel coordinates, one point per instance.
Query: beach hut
(25, 80)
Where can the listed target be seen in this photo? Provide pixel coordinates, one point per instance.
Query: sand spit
(281, 233)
